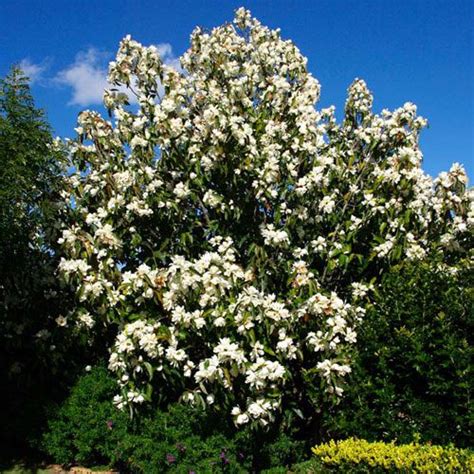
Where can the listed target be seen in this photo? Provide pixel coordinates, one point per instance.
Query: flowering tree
(227, 233)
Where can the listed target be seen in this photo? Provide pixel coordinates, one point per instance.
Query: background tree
(413, 376)
(31, 168)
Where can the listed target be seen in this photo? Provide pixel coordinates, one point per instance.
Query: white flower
(86, 320)
(138, 141)
(327, 204)
(61, 321)
(181, 190)
(272, 237)
(242, 419)
(359, 290)
(210, 399)
(384, 249)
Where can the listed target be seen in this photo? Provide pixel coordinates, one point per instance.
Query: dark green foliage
(88, 429)
(30, 182)
(29, 172)
(181, 439)
(202, 443)
(413, 377)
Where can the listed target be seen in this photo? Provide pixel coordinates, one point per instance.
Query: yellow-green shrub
(353, 455)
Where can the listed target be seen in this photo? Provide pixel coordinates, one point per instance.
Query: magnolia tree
(227, 233)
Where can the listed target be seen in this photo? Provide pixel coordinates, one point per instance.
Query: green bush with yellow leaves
(356, 456)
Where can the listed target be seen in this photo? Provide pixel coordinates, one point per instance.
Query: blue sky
(406, 50)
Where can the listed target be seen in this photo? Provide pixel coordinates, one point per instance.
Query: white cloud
(87, 75)
(32, 70)
(165, 50)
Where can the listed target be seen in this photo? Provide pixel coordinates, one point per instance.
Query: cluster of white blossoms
(229, 233)
(274, 237)
(246, 337)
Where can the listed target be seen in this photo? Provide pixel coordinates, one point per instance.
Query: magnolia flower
(86, 320)
(61, 321)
